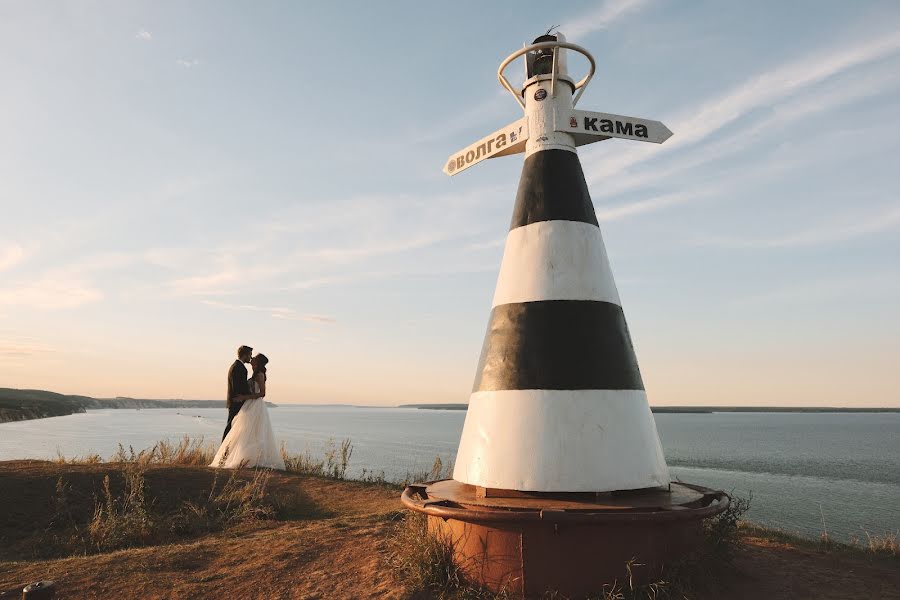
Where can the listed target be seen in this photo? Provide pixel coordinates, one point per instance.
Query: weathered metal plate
(653, 499)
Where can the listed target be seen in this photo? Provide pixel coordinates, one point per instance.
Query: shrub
(237, 501)
(122, 521)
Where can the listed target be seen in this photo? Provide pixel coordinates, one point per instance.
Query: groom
(238, 388)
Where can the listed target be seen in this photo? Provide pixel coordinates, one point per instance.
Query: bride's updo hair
(261, 362)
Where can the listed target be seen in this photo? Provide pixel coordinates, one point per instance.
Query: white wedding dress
(251, 441)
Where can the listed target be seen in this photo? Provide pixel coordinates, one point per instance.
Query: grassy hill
(174, 529)
(20, 405)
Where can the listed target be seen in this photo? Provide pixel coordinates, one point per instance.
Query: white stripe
(561, 441)
(555, 260)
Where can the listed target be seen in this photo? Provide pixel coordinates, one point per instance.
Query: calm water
(799, 467)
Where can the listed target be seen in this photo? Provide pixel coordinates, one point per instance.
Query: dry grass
(423, 562)
(332, 546)
(886, 545)
(189, 452)
(87, 459)
(123, 520)
(236, 501)
(334, 464)
(881, 545)
(322, 540)
(128, 515)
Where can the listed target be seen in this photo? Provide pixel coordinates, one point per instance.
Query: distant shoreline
(24, 405)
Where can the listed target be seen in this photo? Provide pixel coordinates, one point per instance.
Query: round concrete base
(529, 543)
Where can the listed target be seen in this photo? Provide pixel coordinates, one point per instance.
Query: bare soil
(330, 546)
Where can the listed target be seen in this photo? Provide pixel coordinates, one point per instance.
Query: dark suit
(237, 385)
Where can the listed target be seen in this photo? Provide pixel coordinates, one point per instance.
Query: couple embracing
(248, 440)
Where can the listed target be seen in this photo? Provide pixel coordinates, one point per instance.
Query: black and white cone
(558, 403)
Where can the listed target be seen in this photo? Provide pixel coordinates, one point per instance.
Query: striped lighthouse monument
(558, 430)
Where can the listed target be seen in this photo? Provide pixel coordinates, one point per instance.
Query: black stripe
(558, 345)
(552, 188)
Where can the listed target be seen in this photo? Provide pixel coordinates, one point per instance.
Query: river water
(802, 469)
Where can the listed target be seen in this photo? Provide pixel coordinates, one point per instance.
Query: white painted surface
(555, 260)
(543, 133)
(561, 441)
(657, 133)
(561, 73)
(513, 136)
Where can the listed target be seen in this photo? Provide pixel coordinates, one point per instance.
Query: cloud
(826, 233)
(143, 34)
(498, 104)
(50, 293)
(275, 312)
(645, 206)
(187, 63)
(825, 290)
(317, 282)
(600, 18)
(22, 347)
(206, 284)
(811, 103)
(10, 256)
(486, 245)
(228, 276)
(782, 82)
(357, 252)
(763, 90)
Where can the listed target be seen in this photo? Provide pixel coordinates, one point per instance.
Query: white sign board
(508, 140)
(587, 126)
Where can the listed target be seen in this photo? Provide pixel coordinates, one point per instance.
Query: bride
(251, 442)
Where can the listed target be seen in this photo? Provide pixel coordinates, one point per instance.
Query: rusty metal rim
(719, 501)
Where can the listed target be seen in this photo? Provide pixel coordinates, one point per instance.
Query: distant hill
(21, 405)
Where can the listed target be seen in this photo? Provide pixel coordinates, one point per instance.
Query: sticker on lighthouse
(540, 94)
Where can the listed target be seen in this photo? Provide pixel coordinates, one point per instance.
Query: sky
(177, 179)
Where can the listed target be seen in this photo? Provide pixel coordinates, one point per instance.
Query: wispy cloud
(380, 248)
(494, 107)
(495, 243)
(143, 34)
(188, 63)
(600, 18)
(50, 293)
(645, 206)
(763, 90)
(825, 290)
(11, 255)
(229, 276)
(825, 233)
(276, 312)
(317, 282)
(15, 346)
(206, 284)
(812, 102)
